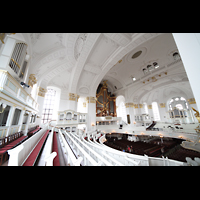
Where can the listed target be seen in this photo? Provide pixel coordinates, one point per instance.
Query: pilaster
(91, 110)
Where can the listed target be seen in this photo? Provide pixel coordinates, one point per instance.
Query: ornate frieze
(41, 91)
(129, 105)
(140, 105)
(73, 97)
(90, 99)
(162, 105)
(149, 106)
(192, 101)
(32, 80)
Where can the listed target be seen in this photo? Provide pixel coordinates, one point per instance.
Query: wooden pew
(30, 161)
(30, 133)
(20, 154)
(10, 142)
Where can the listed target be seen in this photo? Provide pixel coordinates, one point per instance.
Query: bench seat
(10, 146)
(56, 161)
(33, 131)
(30, 161)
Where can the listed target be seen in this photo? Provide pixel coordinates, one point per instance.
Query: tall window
(178, 102)
(145, 108)
(122, 110)
(48, 105)
(155, 111)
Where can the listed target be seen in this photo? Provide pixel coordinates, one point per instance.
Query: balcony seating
(181, 153)
(30, 161)
(10, 142)
(152, 148)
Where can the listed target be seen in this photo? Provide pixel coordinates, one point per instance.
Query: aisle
(62, 156)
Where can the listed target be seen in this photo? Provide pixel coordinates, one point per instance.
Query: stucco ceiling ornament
(35, 37)
(79, 44)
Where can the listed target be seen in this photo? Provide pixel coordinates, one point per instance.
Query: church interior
(99, 99)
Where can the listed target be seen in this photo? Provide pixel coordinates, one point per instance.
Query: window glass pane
(16, 116)
(48, 105)
(4, 116)
(155, 111)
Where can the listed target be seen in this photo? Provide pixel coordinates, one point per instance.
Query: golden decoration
(162, 105)
(32, 80)
(197, 115)
(192, 101)
(41, 91)
(149, 106)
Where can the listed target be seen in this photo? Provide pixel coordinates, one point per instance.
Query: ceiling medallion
(137, 54)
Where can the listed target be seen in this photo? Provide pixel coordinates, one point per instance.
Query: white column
(10, 118)
(188, 45)
(21, 119)
(40, 101)
(91, 110)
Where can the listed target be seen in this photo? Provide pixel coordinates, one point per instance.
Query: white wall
(189, 47)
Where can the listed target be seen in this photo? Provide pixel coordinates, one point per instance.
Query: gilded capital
(41, 91)
(192, 101)
(32, 80)
(149, 106)
(162, 105)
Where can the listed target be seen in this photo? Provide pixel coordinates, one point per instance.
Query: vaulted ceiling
(78, 62)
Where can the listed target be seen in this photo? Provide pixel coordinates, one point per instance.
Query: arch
(120, 99)
(121, 108)
(177, 101)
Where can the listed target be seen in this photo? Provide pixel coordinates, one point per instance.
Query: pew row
(51, 150)
(10, 142)
(20, 154)
(71, 158)
(86, 152)
(30, 161)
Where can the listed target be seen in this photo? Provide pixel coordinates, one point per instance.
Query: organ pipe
(18, 56)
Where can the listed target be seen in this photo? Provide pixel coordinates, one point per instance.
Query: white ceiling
(54, 62)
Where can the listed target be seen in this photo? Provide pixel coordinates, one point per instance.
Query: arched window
(178, 102)
(122, 111)
(150, 67)
(145, 71)
(155, 64)
(48, 105)
(176, 56)
(145, 108)
(156, 111)
(179, 106)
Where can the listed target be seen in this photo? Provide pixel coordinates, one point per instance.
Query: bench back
(19, 154)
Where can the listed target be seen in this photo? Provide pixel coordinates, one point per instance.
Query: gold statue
(197, 129)
(197, 115)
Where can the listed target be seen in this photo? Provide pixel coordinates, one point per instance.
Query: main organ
(105, 101)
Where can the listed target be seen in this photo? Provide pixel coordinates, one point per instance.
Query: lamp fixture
(133, 78)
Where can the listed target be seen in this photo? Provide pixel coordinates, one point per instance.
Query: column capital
(90, 99)
(162, 105)
(41, 91)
